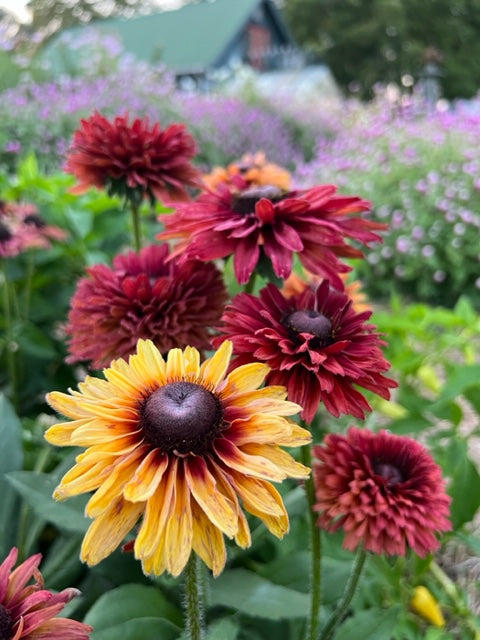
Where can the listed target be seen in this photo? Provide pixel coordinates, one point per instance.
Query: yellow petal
(157, 511)
(114, 446)
(147, 477)
(178, 532)
(280, 458)
(61, 434)
(258, 495)
(214, 369)
(108, 530)
(276, 524)
(259, 428)
(297, 437)
(266, 400)
(175, 365)
(243, 537)
(257, 466)
(245, 378)
(207, 541)
(98, 431)
(153, 360)
(192, 363)
(66, 404)
(155, 564)
(122, 472)
(80, 479)
(203, 487)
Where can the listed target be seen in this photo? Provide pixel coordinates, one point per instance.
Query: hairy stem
(193, 600)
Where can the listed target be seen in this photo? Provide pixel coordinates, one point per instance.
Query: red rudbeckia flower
(315, 344)
(143, 296)
(266, 223)
(385, 491)
(133, 160)
(28, 611)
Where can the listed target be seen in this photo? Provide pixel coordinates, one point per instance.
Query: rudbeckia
(315, 344)
(28, 611)
(133, 159)
(266, 224)
(385, 491)
(177, 444)
(143, 296)
(250, 171)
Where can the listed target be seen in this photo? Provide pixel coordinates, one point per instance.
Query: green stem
(193, 601)
(9, 343)
(316, 549)
(249, 287)
(137, 230)
(28, 287)
(344, 603)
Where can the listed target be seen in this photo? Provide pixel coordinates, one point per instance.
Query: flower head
(22, 228)
(250, 171)
(133, 160)
(315, 344)
(143, 296)
(179, 443)
(265, 224)
(28, 611)
(385, 491)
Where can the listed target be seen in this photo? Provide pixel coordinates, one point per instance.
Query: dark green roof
(190, 38)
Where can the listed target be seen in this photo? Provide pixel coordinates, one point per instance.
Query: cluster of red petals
(312, 223)
(146, 296)
(22, 228)
(27, 611)
(314, 368)
(385, 491)
(133, 159)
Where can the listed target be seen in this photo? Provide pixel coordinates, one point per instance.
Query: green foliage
(365, 42)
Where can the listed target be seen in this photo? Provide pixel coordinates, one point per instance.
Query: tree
(369, 41)
(50, 16)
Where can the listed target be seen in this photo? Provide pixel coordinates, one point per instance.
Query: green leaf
(11, 459)
(372, 624)
(35, 343)
(80, 219)
(128, 602)
(139, 629)
(461, 379)
(465, 491)
(247, 592)
(225, 629)
(37, 489)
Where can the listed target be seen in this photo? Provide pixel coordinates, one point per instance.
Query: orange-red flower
(264, 225)
(250, 171)
(385, 491)
(315, 344)
(179, 443)
(143, 296)
(28, 611)
(133, 160)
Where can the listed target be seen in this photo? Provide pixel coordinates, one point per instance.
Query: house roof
(191, 38)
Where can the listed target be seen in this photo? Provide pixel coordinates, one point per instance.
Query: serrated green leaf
(139, 629)
(372, 624)
(37, 489)
(247, 592)
(128, 602)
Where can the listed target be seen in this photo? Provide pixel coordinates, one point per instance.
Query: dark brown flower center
(181, 417)
(6, 626)
(389, 472)
(245, 202)
(310, 321)
(5, 233)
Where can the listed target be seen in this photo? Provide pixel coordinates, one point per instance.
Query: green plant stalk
(193, 600)
(28, 288)
(9, 352)
(250, 286)
(137, 228)
(316, 550)
(349, 592)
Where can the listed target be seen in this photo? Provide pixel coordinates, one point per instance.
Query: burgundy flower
(28, 611)
(22, 228)
(133, 159)
(266, 223)
(385, 491)
(143, 296)
(315, 344)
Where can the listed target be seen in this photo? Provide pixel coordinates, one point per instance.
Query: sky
(18, 7)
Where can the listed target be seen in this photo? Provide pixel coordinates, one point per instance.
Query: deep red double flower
(316, 345)
(385, 491)
(265, 223)
(133, 160)
(143, 296)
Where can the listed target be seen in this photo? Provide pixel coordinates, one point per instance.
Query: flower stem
(347, 596)
(137, 230)
(316, 549)
(193, 603)
(249, 287)
(9, 343)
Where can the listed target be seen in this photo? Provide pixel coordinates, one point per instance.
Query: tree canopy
(370, 41)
